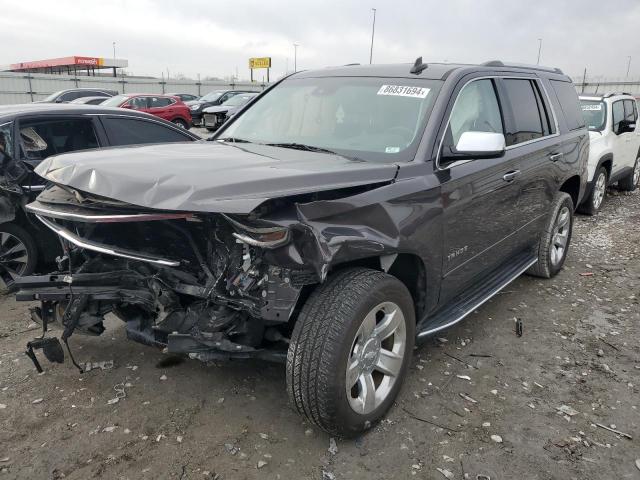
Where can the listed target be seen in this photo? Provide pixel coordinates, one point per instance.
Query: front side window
(378, 119)
(129, 131)
(527, 121)
(476, 110)
(41, 139)
(629, 111)
(617, 115)
(594, 113)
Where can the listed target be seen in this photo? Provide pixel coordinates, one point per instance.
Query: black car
(70, 94)
(29, 134)
(214, 117)
(216, 97)
(343, 215)
(185, 97)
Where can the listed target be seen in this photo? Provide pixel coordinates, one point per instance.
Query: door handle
(554, 157)
(510, 176)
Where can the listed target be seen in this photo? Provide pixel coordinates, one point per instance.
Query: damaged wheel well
(407, 267)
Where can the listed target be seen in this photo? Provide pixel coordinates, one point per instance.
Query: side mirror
(626, 126)
(479, 145)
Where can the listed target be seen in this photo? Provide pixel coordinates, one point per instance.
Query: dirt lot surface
(479, 401)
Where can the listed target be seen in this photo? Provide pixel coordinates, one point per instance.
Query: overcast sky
(214, 37)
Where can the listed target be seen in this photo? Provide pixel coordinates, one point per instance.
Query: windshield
(594, 113)
(52, 97)
(238, 100)
(115, 101)
(211, 96)
(379, 119)
(6, 141)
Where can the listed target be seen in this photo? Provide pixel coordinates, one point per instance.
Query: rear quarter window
(569, 103)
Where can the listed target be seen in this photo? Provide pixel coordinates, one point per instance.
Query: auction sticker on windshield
(403, 91)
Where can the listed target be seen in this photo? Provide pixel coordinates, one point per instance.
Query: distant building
(74, 65)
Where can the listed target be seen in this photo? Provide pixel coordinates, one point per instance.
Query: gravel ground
(479, 402)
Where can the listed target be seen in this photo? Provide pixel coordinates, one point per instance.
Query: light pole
(628, 66)
(539, 50)
(373, 32)
(295, 57)
(114, 50)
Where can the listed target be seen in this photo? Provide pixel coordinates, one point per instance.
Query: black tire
(180, 123)
(593, 202)
(15, 244)
(324, 338)
(630, 182)
(549, 262)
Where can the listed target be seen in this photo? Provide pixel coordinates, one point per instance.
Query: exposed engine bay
(211, 285)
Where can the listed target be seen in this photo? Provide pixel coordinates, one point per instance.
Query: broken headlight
(263, 237)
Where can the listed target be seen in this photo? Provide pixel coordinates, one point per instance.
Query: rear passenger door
(161, 107)
(533, 144)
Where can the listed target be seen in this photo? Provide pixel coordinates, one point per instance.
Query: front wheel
(631, 181)
(554, 241)
(18, 254)
(350, 350)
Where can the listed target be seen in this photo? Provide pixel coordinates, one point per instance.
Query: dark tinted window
(629, 110)
(157, 102)
(569, 104)
(527, 122)
(41, 139)
(129, 131)
(618, 114)
(67, 97)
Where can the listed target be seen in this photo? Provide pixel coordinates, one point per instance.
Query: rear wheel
(555, 239)
(180, 123)
(631, 182)
(350, 350)
(598, 192)
(18, 254)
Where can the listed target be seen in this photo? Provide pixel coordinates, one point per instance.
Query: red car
(164, 106)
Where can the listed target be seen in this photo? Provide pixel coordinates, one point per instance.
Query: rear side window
(527, 120)
(569, 103)
(41, 139)
(130, 131)
(156, 102)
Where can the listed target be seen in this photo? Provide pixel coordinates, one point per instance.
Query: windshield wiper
(301, 146)
(233, 140)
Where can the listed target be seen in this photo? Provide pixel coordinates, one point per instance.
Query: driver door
(479, 196)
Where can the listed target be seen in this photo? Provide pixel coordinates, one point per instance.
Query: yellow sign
(261, 62)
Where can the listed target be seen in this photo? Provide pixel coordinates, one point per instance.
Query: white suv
(614, 145)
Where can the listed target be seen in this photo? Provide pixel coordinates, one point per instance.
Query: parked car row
(329, 224)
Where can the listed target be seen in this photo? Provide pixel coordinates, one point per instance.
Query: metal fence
(25, 88)
(607, 85)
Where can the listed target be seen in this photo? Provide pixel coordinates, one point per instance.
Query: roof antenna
(418, 66)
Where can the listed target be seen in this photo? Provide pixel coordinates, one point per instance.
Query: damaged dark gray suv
(342, 215)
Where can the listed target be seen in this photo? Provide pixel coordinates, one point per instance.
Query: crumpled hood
(207, 176)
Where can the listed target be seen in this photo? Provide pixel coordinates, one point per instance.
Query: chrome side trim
(480, 302)
(136, 217)
(33, 188)
(98, 247)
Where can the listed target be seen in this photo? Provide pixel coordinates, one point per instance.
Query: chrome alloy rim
(560, 236)
(599, 190)
(376, 357)
(636, 173)
(13, 258)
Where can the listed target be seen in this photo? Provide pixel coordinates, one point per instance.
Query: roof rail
(500, 63)
(350, 64)
(611, 94)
